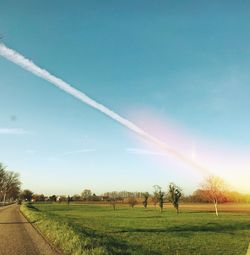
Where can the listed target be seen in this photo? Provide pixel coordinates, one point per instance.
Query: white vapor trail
(27, 64)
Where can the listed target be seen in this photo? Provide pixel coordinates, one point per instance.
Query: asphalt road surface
(18, 237)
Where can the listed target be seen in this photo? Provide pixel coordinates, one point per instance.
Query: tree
(52, 198)
(159, 194)
(26, 195)
(174, 195)
(199, 196)
(76, 197)
(95, 197)
(214, 189)
(9, 184)
(145, 199)
(132, 201)
(154, 198)
(68, 199)
(61, 198)
(86, 194)
(2, 178)
(38, 197)
(113, 197)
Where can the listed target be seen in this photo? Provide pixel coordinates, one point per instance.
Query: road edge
(52, 246)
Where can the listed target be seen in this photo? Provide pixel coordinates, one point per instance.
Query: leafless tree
(132, 201)
(154, 199)
(174, 194)
(145, 201)
(9, 184)
(2, 180)
(26, 195)
(38, 197)
(113, 198)
(214, 190)
(86, 194)
(159, 194)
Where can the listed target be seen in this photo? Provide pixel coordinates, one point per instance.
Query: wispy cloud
(144, 152)
(79, 151)
(13, 131)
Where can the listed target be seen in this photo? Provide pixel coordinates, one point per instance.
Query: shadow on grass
(209, 227)
(140, 217)
(113, 245)
(199, 212)
(94, 239)
(31, 207)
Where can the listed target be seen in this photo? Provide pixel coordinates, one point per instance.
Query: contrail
(28, 65)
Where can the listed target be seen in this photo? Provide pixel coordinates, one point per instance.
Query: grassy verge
(63, 235)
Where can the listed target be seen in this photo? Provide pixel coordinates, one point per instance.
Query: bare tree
(76, 197)
(26, 195)
(174, 193)
(10, 185)
(214, 190)
(68, 199)
(113, 198)
(62, 198)
(52, 198)
(38, 197)
(2, 180)
(154, 199)
(2, 177)
(86, 194)
(145, 201)
(132, 201)
(159, 195)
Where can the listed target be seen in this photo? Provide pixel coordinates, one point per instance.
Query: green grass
(96, 229)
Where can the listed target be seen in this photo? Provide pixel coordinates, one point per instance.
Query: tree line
(10, 185)
(212, 190)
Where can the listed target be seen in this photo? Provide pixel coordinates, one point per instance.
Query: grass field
(98, 229)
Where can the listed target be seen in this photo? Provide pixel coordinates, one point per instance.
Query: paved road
(18, 237)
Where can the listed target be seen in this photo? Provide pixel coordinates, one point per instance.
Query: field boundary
(53, 247)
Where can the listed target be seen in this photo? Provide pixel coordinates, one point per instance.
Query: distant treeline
(198, 196)
(213, 190)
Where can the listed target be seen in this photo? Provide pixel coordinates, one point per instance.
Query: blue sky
(184, 64)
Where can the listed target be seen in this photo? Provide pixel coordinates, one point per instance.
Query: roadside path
(18, 237)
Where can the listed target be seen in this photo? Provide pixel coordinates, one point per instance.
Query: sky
(179, 70)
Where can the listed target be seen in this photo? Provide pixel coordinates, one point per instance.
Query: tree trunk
(216, 209)
(4, 198)
(161, 208)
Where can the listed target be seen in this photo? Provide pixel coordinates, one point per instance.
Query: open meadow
(98, 229)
